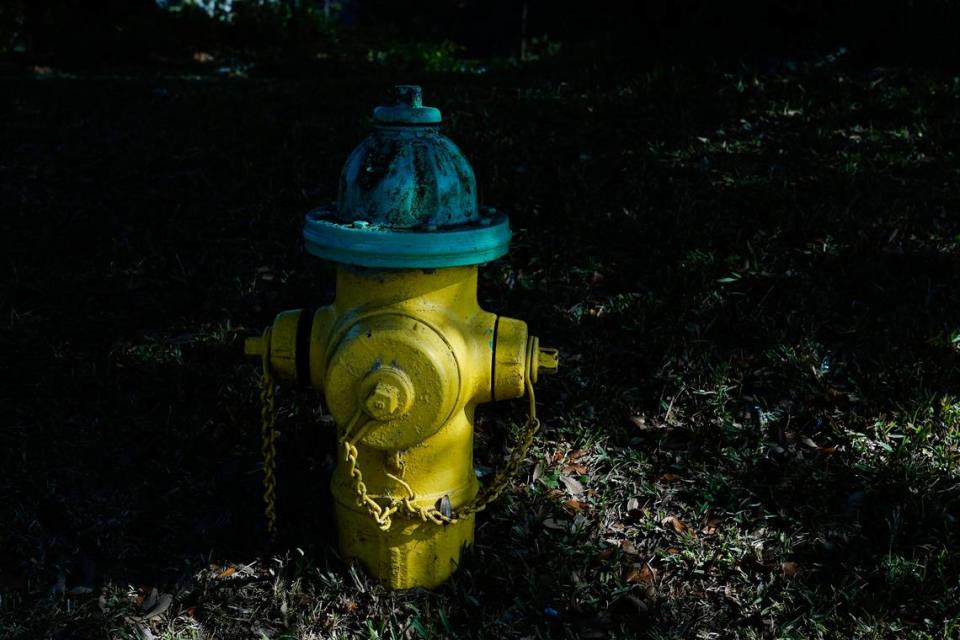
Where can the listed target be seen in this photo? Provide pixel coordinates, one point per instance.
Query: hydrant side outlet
(405, 354)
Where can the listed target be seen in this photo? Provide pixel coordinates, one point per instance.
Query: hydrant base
(411, 554)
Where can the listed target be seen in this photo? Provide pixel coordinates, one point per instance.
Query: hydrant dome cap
(406, 174)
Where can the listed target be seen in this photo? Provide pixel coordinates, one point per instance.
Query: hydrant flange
(325, 236)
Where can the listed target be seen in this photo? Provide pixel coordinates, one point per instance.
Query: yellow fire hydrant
(405, 354)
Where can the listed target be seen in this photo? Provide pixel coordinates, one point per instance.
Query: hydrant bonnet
(407, 198)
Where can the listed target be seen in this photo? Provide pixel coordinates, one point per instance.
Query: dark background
(738, 221)
(76, 34)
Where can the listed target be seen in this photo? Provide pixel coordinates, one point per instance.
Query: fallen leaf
(789, 569)
(629, 548)
(807, 442)
(668, 477)
(576, 454)
(633, 508)
(676, 524)
(639, 573)
(537, 472)
(575, 468)
(229, 571)
(575, 505)
(710, 526)
(573, 485)
(163, 603)
(149, 601)
(730, 594)
(632, 574)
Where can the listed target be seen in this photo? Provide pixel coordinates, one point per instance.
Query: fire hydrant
(405, 354)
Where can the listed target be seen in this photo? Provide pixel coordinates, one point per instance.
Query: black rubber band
(493, 361)
(302, 347)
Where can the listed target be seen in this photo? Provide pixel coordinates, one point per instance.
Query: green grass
(752, 278)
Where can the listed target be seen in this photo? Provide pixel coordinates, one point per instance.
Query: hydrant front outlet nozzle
(405, 355)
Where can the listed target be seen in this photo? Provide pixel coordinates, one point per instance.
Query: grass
(751, 275)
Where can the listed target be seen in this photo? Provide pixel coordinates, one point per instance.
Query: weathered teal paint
(407, 198)
(378, 246)
(407, 174)
(408, 109)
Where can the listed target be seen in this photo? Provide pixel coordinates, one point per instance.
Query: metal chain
(268, 434)
(382, 515)
(500, 480)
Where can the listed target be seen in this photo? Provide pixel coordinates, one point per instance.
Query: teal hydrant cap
(407, 198)
(406, 174)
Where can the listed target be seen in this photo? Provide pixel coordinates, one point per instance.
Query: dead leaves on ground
(150, 604)
(789, 569)
(574, 486)
(575, 506)
(677, 526)
(639, 573)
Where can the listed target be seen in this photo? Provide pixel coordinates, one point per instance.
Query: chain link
(268, 435)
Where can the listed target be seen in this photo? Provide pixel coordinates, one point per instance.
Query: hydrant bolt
(383, 401)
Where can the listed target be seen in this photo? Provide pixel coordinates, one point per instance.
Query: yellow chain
(268, 434)
(382, 515)
(500, 480)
